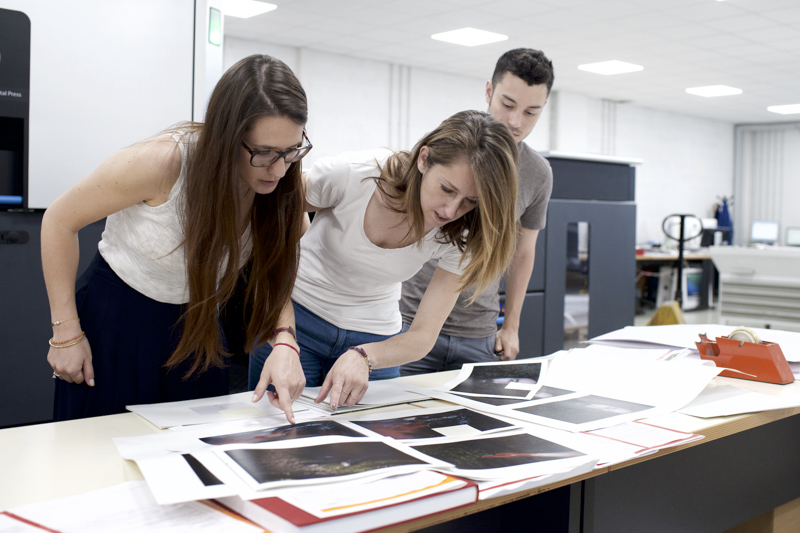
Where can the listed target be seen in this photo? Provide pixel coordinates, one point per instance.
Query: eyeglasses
(266, 158)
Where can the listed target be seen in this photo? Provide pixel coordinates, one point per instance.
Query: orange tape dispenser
(742, 351)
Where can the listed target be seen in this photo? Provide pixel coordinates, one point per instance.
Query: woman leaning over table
(379, 217)
(186, 209)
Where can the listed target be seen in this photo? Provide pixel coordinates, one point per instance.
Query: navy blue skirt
(131, 337)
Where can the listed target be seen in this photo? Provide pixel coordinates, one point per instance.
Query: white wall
(791, 183)
(688, 164)
(687, 161)
(103, 76)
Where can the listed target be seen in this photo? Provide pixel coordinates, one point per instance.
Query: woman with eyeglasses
(185, 211)
(379, 217)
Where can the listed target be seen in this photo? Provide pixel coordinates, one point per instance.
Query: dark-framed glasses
(265, 158)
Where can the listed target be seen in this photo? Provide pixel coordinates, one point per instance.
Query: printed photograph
(541, 394)
(424, 426)
(315, 428)
(584, 409)
(322, 461)
(501, 380)
(497, 452)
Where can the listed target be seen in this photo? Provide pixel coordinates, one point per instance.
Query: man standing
(516, 94)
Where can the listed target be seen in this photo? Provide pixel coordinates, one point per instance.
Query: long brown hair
(487, 235)
(257, 86)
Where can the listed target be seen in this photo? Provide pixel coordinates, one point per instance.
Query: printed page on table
(130, 507)
(319, 460)
(506, 379)
(420, 424)
(206, 410)
(510, 455)
(379, 394)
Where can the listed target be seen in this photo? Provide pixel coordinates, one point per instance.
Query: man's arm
(507, 339)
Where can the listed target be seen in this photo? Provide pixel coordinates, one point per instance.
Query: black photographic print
(320, 461)
(584, 409)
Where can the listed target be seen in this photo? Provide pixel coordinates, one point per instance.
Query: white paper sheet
(10, 524)
(365, 496)
(129, 507)
(686, 335)
(207, 410)
(725, 400)
(380, 393)
(647, 437)
(622, 374)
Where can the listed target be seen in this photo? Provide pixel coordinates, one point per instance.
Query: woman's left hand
(283, 371)
(347, 381)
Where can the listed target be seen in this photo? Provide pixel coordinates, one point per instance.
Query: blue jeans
(321, 343)
(450, 352)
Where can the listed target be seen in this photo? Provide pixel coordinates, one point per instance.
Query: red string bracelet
(289, 345)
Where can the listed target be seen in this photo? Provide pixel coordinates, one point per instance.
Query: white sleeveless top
(143, 244)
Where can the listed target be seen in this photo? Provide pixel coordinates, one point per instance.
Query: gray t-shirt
(480, 318)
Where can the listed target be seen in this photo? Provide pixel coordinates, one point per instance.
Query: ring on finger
(56, 375)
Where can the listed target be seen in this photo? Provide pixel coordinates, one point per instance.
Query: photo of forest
(497, 452)
(320, 461)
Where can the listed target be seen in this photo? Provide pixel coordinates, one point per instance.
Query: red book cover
(276, 514)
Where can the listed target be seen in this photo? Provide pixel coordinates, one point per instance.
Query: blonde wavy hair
(486, 235)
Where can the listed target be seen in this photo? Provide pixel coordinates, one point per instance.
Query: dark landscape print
(315, 428)
(497, 452)
(493, 379)
(424, 426)
(584, 409)
(321, 461)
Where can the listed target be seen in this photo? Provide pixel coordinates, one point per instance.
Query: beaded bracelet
(289, 345)
(360, 350)
(67, 343)
(59, 322)
(288, 329)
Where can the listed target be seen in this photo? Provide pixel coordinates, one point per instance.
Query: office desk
(669, 258)
(746, 466)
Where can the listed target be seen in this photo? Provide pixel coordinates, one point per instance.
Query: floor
(705, 316)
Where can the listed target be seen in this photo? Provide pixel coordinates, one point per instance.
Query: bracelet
(288, 329)
(68, 343)
(60, 343)
(289, 345)
(59, 322)
(360, 350)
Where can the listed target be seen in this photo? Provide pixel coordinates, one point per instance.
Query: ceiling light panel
(790, 109)
(609, 68)
(711, 91)
(469, 37)
(244, 9)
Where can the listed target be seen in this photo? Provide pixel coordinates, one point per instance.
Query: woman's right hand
(73, 364)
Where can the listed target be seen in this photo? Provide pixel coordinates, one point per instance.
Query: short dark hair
(532, 66)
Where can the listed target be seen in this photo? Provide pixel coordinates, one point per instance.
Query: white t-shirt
(343, 277)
